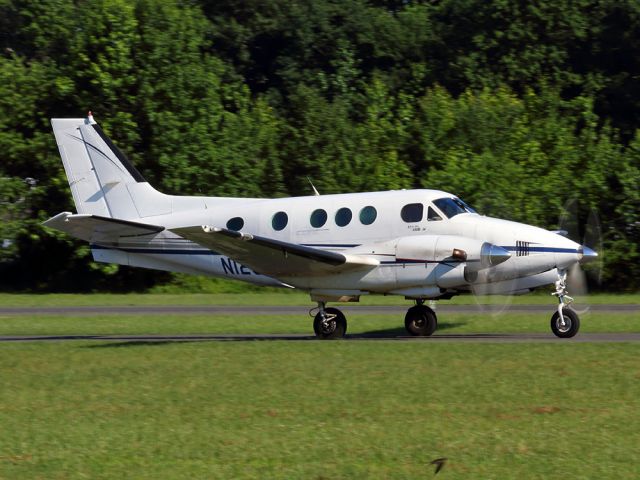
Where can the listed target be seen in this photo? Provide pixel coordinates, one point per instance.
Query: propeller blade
(568, 222)
(593, 240)
(589, 236)
(577, 287)
(577, 281)
(496, 297)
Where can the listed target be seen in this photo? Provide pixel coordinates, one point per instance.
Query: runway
(437, 338)
(292, 310)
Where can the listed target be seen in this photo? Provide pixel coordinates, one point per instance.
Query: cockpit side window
(452, 206)
(432, 215)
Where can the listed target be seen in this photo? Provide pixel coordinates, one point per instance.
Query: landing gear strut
(565, 323)
(420, 320)
(329, 323)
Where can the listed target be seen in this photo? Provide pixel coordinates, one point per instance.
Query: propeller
(588, 235)
(492, 297)
(593, 240)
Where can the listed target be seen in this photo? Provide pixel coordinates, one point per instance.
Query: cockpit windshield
(452, 206)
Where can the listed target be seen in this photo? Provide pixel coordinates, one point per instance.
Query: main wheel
(420, 321)
(334, 325)
(571, 323)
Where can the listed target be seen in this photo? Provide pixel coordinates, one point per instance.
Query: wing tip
(56, 220)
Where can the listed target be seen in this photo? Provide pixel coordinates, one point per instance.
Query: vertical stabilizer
(86, 191)
(102, 180)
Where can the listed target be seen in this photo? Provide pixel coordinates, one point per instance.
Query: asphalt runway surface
(391, 335)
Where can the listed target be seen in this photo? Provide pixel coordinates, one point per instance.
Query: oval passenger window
(368, 215)
(235, 224)
(279, 221)
(318, 218)
(343, 217)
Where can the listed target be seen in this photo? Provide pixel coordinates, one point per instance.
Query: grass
(276, 297)
(319, 410)
(449, 323)
(315, 410)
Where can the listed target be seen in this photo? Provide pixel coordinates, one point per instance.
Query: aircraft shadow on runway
(136, 341)
(397, 332)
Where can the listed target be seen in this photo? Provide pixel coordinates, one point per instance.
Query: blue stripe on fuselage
(543, 249)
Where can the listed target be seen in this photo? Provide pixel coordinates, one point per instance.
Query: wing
(94, 228)
(274, 257)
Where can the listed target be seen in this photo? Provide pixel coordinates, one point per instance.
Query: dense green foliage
(518, 107)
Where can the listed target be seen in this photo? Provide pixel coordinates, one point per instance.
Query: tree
(534, 102)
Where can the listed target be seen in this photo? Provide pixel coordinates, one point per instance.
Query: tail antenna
(315, 191)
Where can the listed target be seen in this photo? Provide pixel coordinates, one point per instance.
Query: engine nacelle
(450, 247)
(458, 258)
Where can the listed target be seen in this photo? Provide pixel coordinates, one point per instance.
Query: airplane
(422, 244)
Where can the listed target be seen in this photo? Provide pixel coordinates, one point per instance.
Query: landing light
(459, 254)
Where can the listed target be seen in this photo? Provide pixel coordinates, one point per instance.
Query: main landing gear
(330, 323)
(565, 323)
(420, 320)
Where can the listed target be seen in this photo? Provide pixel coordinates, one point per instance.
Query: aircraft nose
(586, 254)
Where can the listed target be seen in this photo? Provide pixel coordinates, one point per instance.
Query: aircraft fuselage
(343, 225)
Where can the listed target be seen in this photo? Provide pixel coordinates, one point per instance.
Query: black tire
(420, 321)
(336, 326)
(572, 322)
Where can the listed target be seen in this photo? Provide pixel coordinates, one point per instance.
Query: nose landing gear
(565, 323)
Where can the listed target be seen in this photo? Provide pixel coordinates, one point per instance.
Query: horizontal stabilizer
(94, 228)
(273, 257)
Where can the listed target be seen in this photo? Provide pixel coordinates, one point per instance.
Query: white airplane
(421, 244)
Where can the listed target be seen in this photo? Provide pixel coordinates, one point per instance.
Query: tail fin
(102, 180)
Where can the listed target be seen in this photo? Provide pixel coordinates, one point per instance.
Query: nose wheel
(565, 323)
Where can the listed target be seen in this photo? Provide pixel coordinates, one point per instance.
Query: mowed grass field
(312, 409)
(280, 297)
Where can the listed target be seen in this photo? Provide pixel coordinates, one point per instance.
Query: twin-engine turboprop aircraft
(421, 244)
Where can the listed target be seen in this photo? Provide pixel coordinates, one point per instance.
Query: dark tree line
(516, 106)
